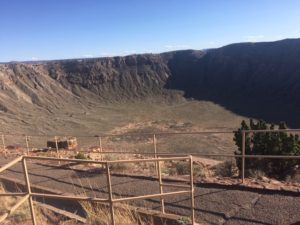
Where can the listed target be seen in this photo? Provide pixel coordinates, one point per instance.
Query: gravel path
(214, 204)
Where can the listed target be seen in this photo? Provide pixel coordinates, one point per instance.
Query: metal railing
(27, 146)
(157, 154)
(28, 195)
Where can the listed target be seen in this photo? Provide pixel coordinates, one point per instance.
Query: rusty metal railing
(157, 154)
(28, 195)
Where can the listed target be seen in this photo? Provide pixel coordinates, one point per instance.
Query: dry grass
(99, 214)
(22, 214)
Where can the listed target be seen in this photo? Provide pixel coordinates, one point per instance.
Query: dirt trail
(215, 204)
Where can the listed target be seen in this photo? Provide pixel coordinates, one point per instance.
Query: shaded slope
(259, 80)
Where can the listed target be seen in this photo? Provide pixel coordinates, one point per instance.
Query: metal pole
(192, 191)
(100, 143)
(6, 166)
(3, 143)
(110, 196)
(155, 154)
(154, 145)
(27, 144)
(100, 147)
(162, 201)
(56, 145)
(243, 155)
(29, 192)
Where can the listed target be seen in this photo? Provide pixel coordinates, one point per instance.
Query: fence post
(192, 190)
(56, 145)
(110, 196)
(162, 201)
(27, 144)
(29, 192)
(154, 146)
(243, 155)
(100, 147)
(155, 154)
(3, 143)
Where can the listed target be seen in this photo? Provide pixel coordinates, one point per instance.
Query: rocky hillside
(260, 80)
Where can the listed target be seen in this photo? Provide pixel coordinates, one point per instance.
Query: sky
(61, 29)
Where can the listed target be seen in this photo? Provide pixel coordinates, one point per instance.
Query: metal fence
(108, 143)
(28, 195)
(153, 139)
(154, 152)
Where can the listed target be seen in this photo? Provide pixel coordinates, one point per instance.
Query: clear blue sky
(56, 29)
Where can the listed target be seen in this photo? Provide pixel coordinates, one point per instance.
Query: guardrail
(167, 156)
(157, 154)
(28, 195)
(99, 140)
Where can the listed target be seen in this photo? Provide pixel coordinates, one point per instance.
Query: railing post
(100, 147)
(162, 201)
(154, 146)
(27, 144)
(100, 143)
(29, 192)
(3, 143)
(155, 155)
(192, 190)
(110, 196)
(243, 155)
(56, 146)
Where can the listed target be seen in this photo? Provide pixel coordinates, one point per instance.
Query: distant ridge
(260, 80)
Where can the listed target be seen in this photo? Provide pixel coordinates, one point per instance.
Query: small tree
(267, 143)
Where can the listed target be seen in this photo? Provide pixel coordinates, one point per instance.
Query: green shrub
(267, 143)
(182, 168)
(184, 220)
(225, 169)
(80, 155)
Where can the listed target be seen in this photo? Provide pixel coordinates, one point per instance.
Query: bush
(184, 220)
(80, 155)
(182, 168)
(225, 169)
(267, 143)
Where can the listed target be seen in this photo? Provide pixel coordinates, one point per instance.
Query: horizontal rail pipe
(271, 131)
(150, 196)
(171, 154)
(151, 134)
(10, 194)
(175, 185)
(66, 197)
(10, 164)
(182, 157)
(273, 156)
(166, 154)
(147, 160)
(104, 162)
(64, 159)
(124, 135)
